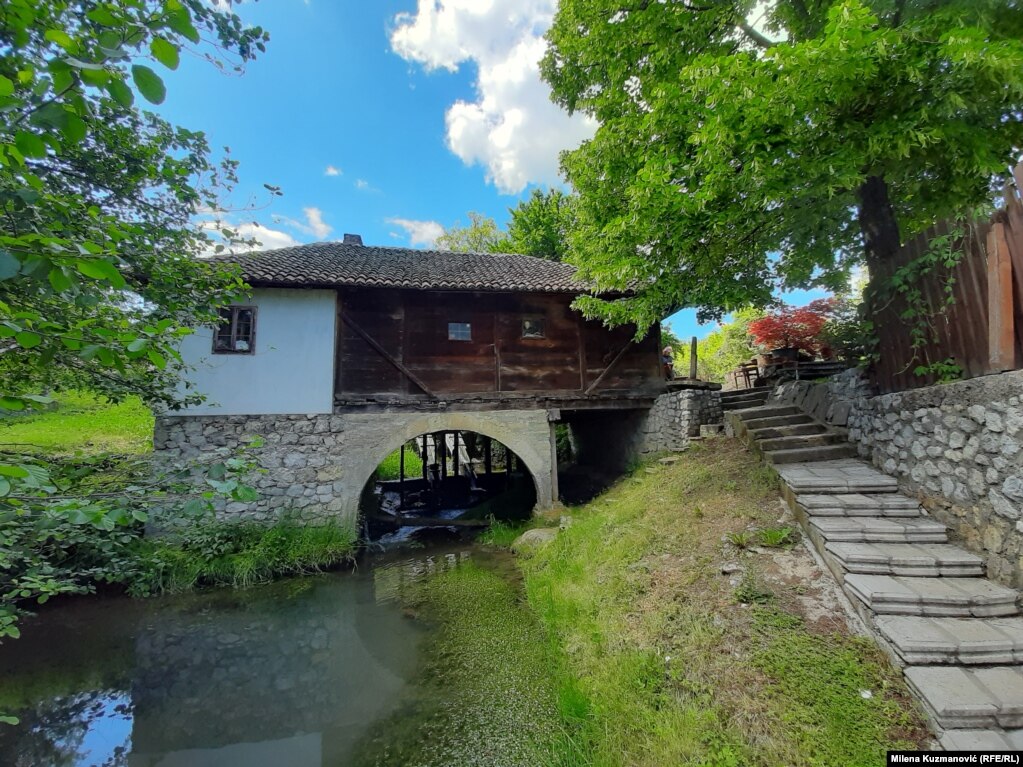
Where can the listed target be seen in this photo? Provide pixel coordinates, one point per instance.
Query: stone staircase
(958, 635)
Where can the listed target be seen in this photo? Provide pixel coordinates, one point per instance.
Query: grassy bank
(82, 423)
(672, 662)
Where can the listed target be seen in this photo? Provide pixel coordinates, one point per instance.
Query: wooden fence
(976, 323)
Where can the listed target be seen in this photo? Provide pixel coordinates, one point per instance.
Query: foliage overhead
(735, 155)
(98, 270)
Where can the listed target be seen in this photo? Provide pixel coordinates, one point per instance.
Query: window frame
(235, 311)
(468, 326)
(534, 318)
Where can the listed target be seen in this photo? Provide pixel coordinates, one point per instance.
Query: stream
(316, 671)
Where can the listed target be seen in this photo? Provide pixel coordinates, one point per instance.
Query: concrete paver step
(777, 420)
(800, 454)
(795, 430)
(740, 401)
(801, 440)
(859, 505)
(767, 411)
(880, 529)
(982, 740)
(937, 597)
(919, 560)
(925, 641)
(970, 698)
(839, 476)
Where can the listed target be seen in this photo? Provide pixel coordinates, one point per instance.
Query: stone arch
(370, 438)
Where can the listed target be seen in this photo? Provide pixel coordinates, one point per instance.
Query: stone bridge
(318, 465)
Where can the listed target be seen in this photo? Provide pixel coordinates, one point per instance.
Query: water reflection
(289, 674)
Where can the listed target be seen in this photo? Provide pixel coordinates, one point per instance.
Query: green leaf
(28, 339)
(61, 38)
(149, 84)
(59, 280)
(9, 265)
(29, 144)
(4, 719)
(75, 129)
(11, 403)
(120, 92)
(139, 515)
(194, 508)
(138, 344)
(181, 22)
(157, 359)
(100, 269)
(102, 16)
(6, 86)
(245, 493)
(10, 470)
(165, 52)
(5, 487)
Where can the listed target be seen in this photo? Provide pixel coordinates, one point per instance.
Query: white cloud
(512, 129)
(313, 225)
(361, 184)
(267, 239)
(423, 233)
(332, 170)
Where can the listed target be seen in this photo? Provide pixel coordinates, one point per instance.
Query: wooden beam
(383, 353)
(605, 371)
(1001, 330)
(692, 359)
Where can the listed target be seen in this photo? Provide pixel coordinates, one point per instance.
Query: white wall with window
(272, 353)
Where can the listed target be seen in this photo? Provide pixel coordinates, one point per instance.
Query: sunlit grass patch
(83, 423)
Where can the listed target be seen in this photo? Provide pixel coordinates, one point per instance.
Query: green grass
(240, 555)
(391, 465)
(665, 666)
(82, 423)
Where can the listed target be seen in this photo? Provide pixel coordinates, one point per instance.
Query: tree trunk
(877, 221)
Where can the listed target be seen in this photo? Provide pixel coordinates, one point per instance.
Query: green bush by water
(239, 555)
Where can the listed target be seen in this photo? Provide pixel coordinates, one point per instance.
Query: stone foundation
(829, 401)
(676, 418)
(316, 466)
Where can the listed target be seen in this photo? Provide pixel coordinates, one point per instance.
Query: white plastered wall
(291, 369)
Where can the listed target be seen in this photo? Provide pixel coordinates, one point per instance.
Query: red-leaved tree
(796, 327)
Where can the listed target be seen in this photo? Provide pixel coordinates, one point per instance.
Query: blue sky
(390, 119)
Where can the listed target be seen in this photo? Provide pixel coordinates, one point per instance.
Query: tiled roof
(326, 264)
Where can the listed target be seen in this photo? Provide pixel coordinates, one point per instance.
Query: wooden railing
(969, 316)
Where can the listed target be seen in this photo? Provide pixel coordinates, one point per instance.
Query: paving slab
(859, 505)
(844, 475)
(966, 698)
(969, 641)
(982, 740)
(880, 530)
(800, 454)
(914, 559)
(939, 597)
(767, 411)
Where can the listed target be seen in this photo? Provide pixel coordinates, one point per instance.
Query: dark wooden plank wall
(412, 327)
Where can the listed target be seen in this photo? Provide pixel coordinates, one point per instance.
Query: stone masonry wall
(676, 417)
(958, 446)
(317, 465)
(829, 401)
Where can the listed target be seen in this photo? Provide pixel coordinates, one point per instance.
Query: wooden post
(488, 459)
(442, 454)
(425, 455)
(454, 457)
(692, 359)
(401, 476)
(1001, 330)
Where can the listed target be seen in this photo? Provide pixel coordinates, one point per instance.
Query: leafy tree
(794, 327)
(733, 156)
(539, 225)
(99, 275)
(725, 348)
(482, 235)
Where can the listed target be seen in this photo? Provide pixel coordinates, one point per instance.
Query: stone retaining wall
(676, 417)
(830, 401)
(959, 446)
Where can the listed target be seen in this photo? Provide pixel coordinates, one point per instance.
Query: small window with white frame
(459, 331)
(236, 333)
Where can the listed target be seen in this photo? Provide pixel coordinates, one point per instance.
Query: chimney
(353, 239)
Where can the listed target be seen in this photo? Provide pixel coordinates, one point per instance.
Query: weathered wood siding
(411, 327)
